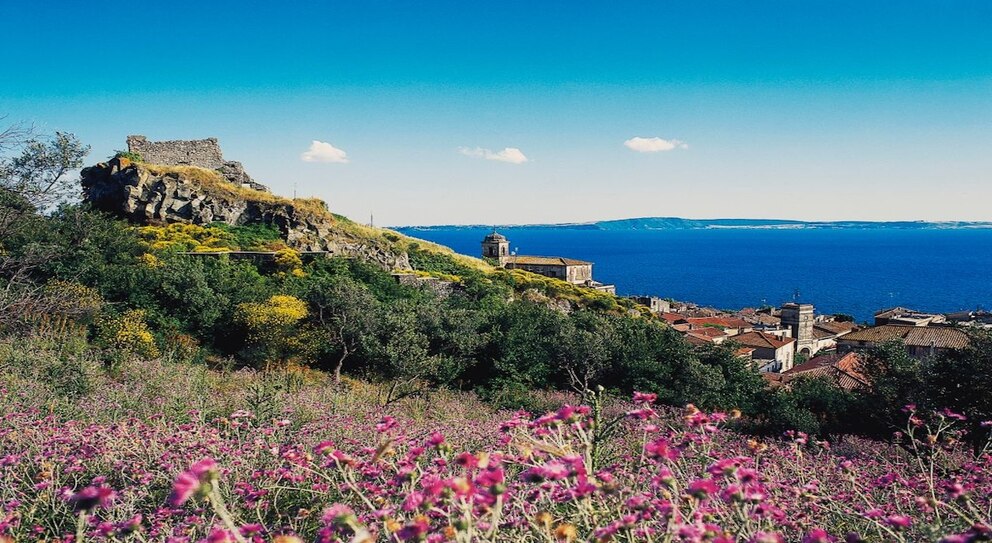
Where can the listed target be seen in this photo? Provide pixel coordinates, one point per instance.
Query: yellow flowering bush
(288, 261)
(73, 300)
(128, 333)
(185, 237)
(272, 326)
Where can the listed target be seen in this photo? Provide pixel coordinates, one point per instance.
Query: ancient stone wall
(202, 153)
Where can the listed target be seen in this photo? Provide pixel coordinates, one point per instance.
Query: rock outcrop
(204, 153)
(152, 194)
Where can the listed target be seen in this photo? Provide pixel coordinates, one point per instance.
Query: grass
(431, 257)
(215, 183)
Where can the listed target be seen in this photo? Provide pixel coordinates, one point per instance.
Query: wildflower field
(158, 451)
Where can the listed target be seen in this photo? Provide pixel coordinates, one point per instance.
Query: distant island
(677, 223)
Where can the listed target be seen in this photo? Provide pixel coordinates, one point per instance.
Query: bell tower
(495, 246)
(799, 318)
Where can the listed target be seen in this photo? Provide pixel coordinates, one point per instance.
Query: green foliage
(254, 237)
(127, 155)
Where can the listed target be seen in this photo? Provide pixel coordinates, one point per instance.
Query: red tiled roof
(762, 340)
(726, 322)
(671, 317)
(698, 340)
(528, 260)
(843, 368)
(940, 337)
(708, 332)
(836, 327)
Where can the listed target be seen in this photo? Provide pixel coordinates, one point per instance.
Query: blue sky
(509, 112)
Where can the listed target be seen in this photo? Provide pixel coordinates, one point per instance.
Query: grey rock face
(200, 153)
(134, 193)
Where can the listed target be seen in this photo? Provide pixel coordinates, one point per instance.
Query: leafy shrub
(128, 334)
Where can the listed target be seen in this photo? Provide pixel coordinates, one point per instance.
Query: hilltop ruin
(203, 153)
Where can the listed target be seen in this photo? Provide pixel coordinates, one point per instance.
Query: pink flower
(387, 423)
(338, 514)
(899, 521)
(645, 397)
(766, 537)
(198, 477)
(701, 488)
(92, 497)
(818, 535)
(218, 535)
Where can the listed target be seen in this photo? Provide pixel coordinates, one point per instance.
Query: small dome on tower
(495, 236)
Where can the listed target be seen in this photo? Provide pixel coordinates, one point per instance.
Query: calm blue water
(849, 271)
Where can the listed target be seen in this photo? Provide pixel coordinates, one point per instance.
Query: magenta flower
(701, 488)
(645, 397)
(766, 537)
(899, 521)
(197, 478)
(92, 497)
(218, 535)
(818, 535)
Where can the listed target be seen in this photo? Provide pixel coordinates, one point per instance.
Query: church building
(496, 247)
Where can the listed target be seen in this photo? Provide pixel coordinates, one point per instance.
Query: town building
(920, 341)
(655, 304)
(771, 353)
(843, 369)
(799, 319)
(730, 326)
(907, 317)
(496, 246)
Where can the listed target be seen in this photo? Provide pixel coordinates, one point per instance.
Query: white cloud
(321, 151)
(653, 145)
(509, 154)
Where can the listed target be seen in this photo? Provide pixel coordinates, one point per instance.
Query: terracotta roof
(893, 311)
(879, 334)
(762, 340)
(837, 327)
(767, 320)
(672, 317)
(708, 332)
(940, 337)
(744, 351)
(698, 340)
(772, 379)
(842, 368)
(528, 260)
(726, 322)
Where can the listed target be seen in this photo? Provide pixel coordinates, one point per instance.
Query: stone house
(920, 341)
(907, 317)
(655, 304)
(496, 246)
(842, 369)
(771, 353)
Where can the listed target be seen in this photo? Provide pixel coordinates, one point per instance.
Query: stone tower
(799, 318)
(496, 247)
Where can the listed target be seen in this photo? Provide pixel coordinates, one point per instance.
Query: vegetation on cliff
(500, 333)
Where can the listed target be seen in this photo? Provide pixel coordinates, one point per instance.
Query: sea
(853, 271)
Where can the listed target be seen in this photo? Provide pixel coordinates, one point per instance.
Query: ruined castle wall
(202, 153)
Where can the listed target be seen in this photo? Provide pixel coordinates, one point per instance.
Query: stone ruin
(200, 153)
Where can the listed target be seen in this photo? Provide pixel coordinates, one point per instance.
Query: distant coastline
(678, 223)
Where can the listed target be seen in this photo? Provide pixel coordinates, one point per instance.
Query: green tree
(346, 313)
(961, 380)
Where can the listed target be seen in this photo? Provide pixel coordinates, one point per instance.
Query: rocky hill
(146, 193)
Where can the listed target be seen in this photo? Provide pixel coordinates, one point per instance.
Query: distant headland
(678, 223)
